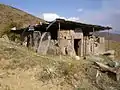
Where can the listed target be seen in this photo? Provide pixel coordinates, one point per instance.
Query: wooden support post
(83, 46)
(108, 39)
(32, 43)
(58, 31)
(59, 39)
(93, 41)
(22, 36)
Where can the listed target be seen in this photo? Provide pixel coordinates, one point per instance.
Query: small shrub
(10, 25)
(14, 37)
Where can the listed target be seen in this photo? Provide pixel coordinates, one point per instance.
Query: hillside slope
(23, 69)
(110, 36)
(114, 42)
(10, 14)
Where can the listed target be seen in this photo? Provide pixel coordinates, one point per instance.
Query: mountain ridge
(109, 36)
(9, 14)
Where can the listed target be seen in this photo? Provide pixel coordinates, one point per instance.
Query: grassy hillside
(114, 42)
(112, 36)
(22, 69)
(114, 45)
(10, 15)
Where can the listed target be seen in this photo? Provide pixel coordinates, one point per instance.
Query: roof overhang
(70, 25)
(67, 25)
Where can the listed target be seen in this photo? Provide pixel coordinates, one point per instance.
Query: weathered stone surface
(53, 48)
(24, 43)
(44, 44)
(110, 54)
(5, 37)
(69, 42)
(36, 39)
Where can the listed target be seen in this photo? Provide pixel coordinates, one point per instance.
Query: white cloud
(53, 16)
(50, 16)
(108, 14)
(74, 19)
(112, 14)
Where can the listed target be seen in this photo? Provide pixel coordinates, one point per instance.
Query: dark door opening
(77, 46)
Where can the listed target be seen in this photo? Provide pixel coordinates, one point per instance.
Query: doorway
(77, 46)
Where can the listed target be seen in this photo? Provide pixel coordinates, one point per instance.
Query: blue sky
(65, 8)
(103, 12)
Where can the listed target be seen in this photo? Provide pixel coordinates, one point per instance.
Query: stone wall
(66, 41)
(100, 46)
(95, 45)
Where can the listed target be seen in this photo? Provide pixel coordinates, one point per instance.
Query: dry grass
(61, 72)
(22, 69)
(10, 14)
(113, 45)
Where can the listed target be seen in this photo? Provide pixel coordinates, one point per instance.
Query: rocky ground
(22, 69)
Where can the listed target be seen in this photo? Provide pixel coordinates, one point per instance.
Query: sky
(101, 12)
